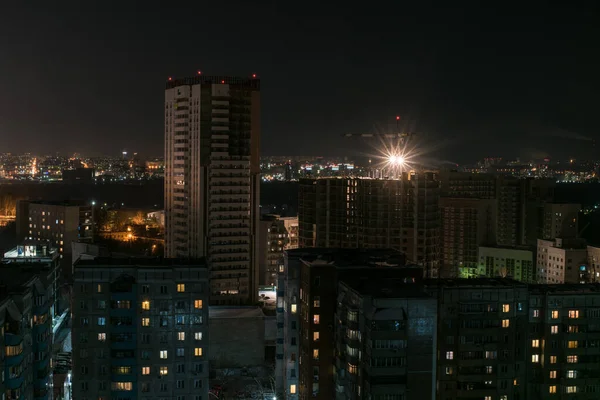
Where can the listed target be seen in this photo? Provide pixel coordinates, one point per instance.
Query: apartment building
(140, 329)
(513, 262)
(482, 345)
(55, 222)
(562, 261)
(319, 279)
(400, 214)
(273, 238)
(467, 223)
(563, 338)
(212, 140)
(385, 341)
(560, 221)
(26, 303)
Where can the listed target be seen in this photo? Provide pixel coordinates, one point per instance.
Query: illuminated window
(292, 389)
(552, 389)
(181, 287)
(572, 344)
(505, 307)
(145, 370)
(281, 268)
(198, 304)
(573, 328)
(102, 337)
(316, 319)
(449, 355)
(505, 323)
(572, 359)
(487, 398)
(145, 305)
(317, 301)
(198, 352)
(198, 335)
(572, 374)
(180, 336)
(315, 354)
(164, 354)
(293, 308)
(536, 313)
(574, 314)
(125, 386)
(99, 288)
(535, 343)
(352, 368)
(554, 314)
(554, 329)
(448, 370)
(552, 359)
(571, 389)
(552, 374)
(145, 321)
(535, 358)
(164, 370)
(489, 369)
(315, 336)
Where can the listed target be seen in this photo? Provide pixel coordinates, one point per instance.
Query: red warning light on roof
(199, 72)
(254, 75)
(222, 81)
(170, 78)
(397, 118)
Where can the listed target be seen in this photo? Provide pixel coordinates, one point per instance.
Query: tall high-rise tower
(212, 172)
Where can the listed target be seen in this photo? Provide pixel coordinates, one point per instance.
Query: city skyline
(468, 80)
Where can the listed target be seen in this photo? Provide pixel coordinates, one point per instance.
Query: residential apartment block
(140, 329)
(212, 140)
(27, 301)
(400, 214)
(55, 222)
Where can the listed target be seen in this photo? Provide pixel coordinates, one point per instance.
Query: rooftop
(342, 257)
(65, 203)
(235, 312)
(249, 83)
(141, 262)
(475, 282)
(391, 288)
(31, 252)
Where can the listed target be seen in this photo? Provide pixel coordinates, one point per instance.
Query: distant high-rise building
(276, 234)
(401, 214)
(212, 135)
(467, 223)
(55, 222)
(560, 221)
(140, 328)
(560, 261)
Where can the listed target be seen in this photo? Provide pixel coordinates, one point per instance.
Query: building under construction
(401, 214)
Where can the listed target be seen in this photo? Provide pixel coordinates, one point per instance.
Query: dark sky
(475, 81)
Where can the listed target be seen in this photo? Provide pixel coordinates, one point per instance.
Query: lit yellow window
(198, 352)
(198, 304)
(505, 323)
(315, 336)
(145, 305)
(145, 321)
(505, 307)
(145, 370)
(181, 287)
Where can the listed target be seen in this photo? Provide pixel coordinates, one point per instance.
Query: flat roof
(390, 288)
(141, 262)
(474, 282)
(235, 312)
(343, 257)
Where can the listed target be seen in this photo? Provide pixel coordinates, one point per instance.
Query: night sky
(472, 81)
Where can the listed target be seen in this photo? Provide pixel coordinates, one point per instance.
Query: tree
(8, 206)
(139, 218)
